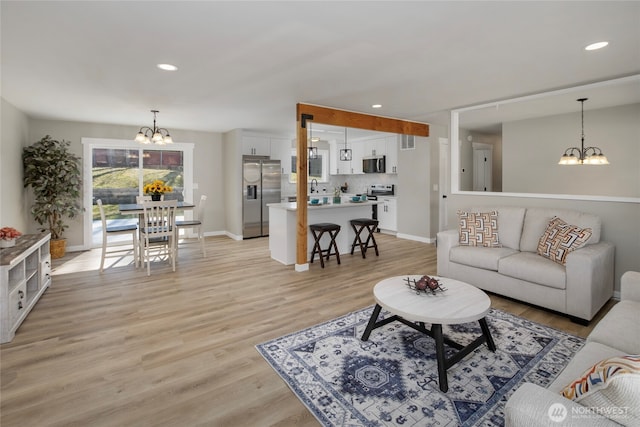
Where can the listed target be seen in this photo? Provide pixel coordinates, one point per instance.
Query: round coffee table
(459, 303)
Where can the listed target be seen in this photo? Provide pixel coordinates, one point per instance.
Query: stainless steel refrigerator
(261, 186)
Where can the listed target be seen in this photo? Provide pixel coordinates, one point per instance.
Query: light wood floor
(177, 349)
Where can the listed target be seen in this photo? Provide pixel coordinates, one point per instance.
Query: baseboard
(415, 238)
(233, 236)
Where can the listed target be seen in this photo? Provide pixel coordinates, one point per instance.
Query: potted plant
(53, 172)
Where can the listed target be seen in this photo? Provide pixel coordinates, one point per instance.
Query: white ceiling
(246, 64)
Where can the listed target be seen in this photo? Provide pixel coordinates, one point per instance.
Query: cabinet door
(256, 146)
(357, 153)
(392, 154)
(387, 215)
(375, 147)
(334, 158)
(281, 150)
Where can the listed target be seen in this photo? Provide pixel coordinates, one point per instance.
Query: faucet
(314, 187)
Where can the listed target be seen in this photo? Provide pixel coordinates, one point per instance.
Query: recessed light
(595, 46)
(167, 67)
(376, 106)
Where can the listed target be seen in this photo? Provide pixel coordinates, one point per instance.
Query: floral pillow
(611, 387)
(478, 229)
(560, 239)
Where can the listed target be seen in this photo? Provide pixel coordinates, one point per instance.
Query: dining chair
(115, 230)
(195, 223)
(158, 228)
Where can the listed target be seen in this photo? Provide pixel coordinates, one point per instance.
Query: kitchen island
(283, 220)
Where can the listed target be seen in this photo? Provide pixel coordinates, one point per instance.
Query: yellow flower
(156, 187)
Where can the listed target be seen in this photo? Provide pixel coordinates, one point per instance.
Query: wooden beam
(301, 191)
(349, 119)
(342, 118)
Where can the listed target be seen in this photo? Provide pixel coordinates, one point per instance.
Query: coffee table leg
(372, 322)
(487, 334)
(436, 330)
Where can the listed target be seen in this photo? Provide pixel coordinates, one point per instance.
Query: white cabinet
(281, 150)
(392, 154)
(25, 273)
(388, 214)
(256, 145)
(375, 147)
(342, 167)
(357, 153)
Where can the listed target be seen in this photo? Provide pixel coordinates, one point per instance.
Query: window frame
(89, 144)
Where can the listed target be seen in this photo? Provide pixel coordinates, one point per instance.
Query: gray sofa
(579, 288)
(617, 334)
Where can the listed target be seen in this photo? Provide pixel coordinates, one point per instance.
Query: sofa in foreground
(551, 258)
(601, 384)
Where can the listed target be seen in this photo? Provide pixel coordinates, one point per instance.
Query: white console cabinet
(25, 275)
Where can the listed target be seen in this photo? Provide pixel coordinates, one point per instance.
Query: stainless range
(376, 190)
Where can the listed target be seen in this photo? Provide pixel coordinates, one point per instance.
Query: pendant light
(345, 153)
(159, 136)
(582, 155)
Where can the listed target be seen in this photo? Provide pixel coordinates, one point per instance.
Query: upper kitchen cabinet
(256, 145)
(357, 153)
(392, 154)
(281, 149)
(345, 167)
(375, 147)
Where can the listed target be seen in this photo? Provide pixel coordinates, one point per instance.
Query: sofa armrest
(630, 286)
(446, 240)
(530, 406)
(590, 277)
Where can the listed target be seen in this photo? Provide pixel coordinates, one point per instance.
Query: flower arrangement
(157, 188)
(9, 233)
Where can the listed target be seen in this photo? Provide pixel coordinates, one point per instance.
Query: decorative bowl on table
(315, 201)
(355, 198)
(425, 285)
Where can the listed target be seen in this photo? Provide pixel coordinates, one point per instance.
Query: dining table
(136, 208)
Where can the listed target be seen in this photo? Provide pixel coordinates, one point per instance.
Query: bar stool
(318, 230)
(358, 225)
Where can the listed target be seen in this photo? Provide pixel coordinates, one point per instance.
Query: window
(118, 171)
(317, 168)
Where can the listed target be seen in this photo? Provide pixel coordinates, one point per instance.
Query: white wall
(208, 163)
(14, 210)
(532, 148)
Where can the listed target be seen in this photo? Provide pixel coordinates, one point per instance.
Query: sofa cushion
(611, 383)
(485, 258)
(533, 268)
(478, 229)
(590, 354)
(510, 220)
(560, 238)
(619, 328)
(537, 219)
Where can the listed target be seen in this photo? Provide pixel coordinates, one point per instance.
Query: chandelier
(582, 155)
(147, 135)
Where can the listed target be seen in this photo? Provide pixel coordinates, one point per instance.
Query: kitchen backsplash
(357, 183)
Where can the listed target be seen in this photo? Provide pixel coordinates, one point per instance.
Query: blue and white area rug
(392, 379)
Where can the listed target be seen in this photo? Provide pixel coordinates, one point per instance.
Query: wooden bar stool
(318, 230)
(359, 225)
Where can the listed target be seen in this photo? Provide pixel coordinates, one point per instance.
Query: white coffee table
(460, 303)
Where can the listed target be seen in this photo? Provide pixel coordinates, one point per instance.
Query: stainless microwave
(374, 164)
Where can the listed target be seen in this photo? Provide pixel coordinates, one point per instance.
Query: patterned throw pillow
(560, 238)
(478, 229)
(611, 387)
